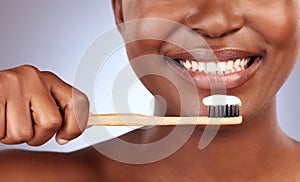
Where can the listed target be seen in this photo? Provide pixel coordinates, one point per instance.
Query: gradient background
(52, 35)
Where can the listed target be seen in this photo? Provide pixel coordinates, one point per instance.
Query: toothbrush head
(222, 106)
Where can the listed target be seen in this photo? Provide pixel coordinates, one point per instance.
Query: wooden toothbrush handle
(143, 120)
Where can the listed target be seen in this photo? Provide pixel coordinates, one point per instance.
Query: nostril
(232, 31)
(201, 32)
(215, 34)
(210, 34)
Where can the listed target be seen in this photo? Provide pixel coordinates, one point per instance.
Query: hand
(35, 105)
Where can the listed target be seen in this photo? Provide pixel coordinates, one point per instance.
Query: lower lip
(217, 81)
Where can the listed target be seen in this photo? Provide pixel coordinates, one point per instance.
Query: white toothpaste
(219, 100)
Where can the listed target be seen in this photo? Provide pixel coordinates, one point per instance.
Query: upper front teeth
(216, 67)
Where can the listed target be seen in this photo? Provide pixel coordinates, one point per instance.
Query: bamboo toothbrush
(222, 110)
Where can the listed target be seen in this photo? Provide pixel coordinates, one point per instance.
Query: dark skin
(256, 150)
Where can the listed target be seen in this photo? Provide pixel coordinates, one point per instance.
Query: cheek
(150, 24)
(278, 29)
(274, 21)
(280, 36)
(145, 36)
(141, 48)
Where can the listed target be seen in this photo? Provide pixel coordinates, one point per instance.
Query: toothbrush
(222, 110)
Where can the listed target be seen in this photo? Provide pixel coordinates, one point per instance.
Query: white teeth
(221, 67)
(211, 67)
(188, 65)
(243, 64)
(229, 66)
(195, 66)
(181, 62)
(216, 67)
(202, 66)
(237, 65)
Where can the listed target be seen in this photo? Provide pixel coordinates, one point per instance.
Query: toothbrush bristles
(221, 111)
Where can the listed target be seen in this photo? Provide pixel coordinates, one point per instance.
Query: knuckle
(80, 99)
(51, 79)
(11, 76)
(16, 75)
(29, 68)
(48, 74)
(17, 72)
(52, 124)
(29, 72)
(18, 79)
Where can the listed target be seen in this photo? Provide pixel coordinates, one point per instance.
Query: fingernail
(62, 141)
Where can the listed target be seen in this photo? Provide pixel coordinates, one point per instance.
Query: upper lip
(206, 55)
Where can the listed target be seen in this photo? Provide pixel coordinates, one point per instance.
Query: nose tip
(215, 20)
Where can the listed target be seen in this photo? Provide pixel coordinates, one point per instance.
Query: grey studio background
(53, 34)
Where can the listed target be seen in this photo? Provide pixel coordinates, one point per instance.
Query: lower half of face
(241, 48)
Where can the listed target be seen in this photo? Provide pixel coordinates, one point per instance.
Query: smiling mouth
(221, 67)
(227, 67)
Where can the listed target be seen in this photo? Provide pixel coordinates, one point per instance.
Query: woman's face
(259, 38)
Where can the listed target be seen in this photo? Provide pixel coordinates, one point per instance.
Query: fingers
(70, 128)
(46, 117)
(29, 110)
(18, 122)
(75, 108)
